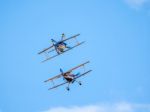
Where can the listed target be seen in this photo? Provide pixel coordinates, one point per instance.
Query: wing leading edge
(68, 82)
(63, 52)
(60, 75)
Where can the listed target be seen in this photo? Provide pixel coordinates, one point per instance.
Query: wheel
(68, 89)
(73, 81)
(80, 83)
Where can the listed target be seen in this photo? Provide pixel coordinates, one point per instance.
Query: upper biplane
(69, 77)
(60, 46)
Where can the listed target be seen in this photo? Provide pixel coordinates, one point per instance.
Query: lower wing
(63, 52)
(58, 85)
(68, 82)
(46, 49)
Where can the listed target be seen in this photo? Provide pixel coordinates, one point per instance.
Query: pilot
(69, 77)
(62, 45)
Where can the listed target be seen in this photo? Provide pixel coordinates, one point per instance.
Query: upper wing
(60, 41)
(56, 77)
(70, 37)
(58, 85)
(67, 82)
(45, 49)
(83, 74)
(78, 66)
(63, 52)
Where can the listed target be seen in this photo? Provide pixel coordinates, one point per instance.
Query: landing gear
(80, 83)
(73, 81)
(68, 89)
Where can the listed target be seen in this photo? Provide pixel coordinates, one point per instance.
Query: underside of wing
(50, 58)
(56, 77)
(68, 82)
(58, 85)
(62, 52)
(45, 49)
(79, 66)
(60, 41)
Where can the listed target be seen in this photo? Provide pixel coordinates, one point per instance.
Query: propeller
(55, 45)
(62, 73)
(53, 41)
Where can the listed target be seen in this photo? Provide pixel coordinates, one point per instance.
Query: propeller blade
(53, 41)
(61, 71)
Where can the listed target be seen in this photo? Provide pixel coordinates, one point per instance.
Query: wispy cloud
(118, 107)
(137, 4)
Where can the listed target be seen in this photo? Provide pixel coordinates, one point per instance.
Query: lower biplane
(60, 47)
(69, 77)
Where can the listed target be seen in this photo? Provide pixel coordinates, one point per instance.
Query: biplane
(60, 47)
(69, 77)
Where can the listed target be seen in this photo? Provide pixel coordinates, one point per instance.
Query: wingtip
(41, 62)
(77, 34)
(44, 60)
(39, 53)
(87, 62)
(90, 70)
(83, 42)
(50, 89)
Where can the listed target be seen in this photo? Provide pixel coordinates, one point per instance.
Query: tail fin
(62, 73)
(54, 41)
(62, 36)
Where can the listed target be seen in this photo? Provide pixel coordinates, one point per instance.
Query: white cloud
(118, 107)
(75, 109)
(136, 4)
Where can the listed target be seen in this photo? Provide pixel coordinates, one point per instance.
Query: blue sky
(117, 44)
